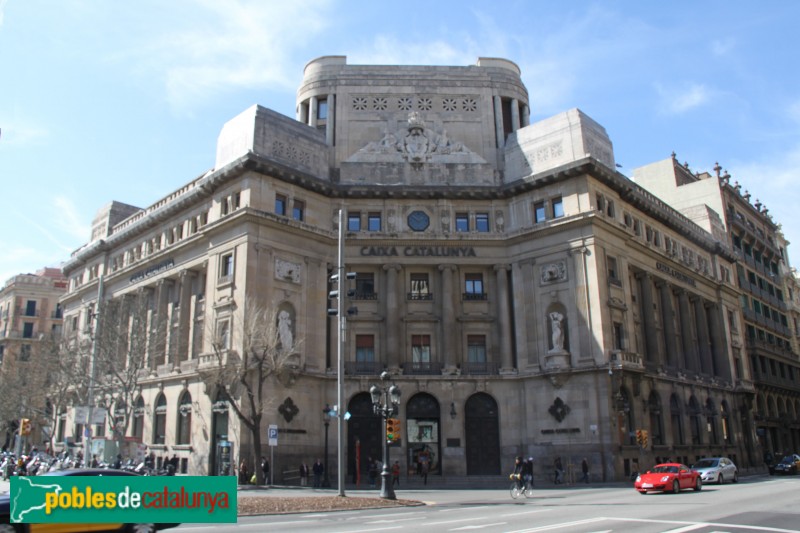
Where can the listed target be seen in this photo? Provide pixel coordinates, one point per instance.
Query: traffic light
(644, 438)
(392, 429)
(334, 294)
(25, 427)
(639, 437)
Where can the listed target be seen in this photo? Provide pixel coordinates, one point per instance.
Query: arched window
(695, 422)
(725, 419)
(138, 418)
(184, 433)
(160, 420)
(677, 420)
(656, 420)
(711, 422)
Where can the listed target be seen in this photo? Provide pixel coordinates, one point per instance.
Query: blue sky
(106, 100)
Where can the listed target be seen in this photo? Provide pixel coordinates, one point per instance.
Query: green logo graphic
(123, 499)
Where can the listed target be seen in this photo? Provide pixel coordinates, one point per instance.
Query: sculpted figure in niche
(285, 330)
(558, 331)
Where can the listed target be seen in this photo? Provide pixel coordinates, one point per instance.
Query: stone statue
(285, 330)
(558, 331)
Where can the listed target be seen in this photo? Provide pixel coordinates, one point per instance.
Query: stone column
(162, 328)
(393, 325)
(312, 112)
(719, 346)
(526, 115)
(648, 314)
(688, 360)
(330, 121)
(302, 113)
(503, 319)
(184, 318)
(448, 323)
(498, 122)
(703, 340)
(668, 323)
(514, 114)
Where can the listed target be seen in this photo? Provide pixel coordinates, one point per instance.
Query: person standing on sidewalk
(585, 470)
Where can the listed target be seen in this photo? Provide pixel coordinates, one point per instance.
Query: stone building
(526, 297)
(30, 324)
(766, 279)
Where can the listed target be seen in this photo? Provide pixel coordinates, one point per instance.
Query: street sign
(272, 434)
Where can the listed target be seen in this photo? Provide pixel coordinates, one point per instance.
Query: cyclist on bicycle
(516, 475)
(527, 472)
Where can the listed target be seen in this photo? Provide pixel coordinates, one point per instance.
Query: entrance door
(364, 437)
(482, 430)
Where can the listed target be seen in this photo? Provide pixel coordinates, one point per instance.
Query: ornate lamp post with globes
(389, 407)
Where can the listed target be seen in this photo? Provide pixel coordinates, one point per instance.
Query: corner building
(526, 297)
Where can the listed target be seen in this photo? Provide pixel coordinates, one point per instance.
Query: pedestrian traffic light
(392, 429)
(25, 427)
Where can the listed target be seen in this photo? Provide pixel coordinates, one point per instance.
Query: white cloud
(17, 134)
(70, 221)
(230, 44)
(2, 10)
(674, 101)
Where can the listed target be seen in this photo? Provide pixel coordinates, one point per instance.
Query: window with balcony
(298, 210)
(353, 221)
(462, 222)
(420, 287)
(473, 287)
(365, 348)
(476, 349)
(30, 308)
(374, 222)
(619, 336)
(27, 330)
(421, 349)
(482, 222)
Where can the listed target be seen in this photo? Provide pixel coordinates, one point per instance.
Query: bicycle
(518, 490)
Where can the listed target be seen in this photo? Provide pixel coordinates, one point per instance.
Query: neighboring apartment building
(766, 279)
(527, 298)
(30, 321)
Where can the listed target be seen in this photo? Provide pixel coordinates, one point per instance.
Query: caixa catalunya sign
(153, 270)
(419, 251)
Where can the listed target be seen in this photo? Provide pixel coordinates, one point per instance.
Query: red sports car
(668, 477)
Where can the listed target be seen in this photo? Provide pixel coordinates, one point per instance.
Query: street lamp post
(326, 417)
(391, 400)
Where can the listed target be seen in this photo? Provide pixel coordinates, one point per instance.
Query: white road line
(442, 522)
(687, 528)
(561, 525)
(367, 530)
(464, 528)
(705, 524)
(527, 512)
(390, 521)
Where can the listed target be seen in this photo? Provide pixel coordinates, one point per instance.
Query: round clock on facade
(418, 221)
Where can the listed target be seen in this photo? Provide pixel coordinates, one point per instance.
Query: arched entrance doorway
(221, 452)
(482, 430)
(364, 436)
(422, 430)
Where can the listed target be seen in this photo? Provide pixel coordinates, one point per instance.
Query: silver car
(716, 470)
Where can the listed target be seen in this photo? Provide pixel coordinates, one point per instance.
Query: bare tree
(128, 338)
(268, 350)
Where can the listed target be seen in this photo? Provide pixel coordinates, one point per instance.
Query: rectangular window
(226, 268)
(539, 212)
(420, 288)
(476, 348)
(613, 273)
(280, 205)
(30, 308)
(482, 222)
(353, 221)
(618, 338)
(365, 286)
(473, 287)
(462, 222)
(27, 330)
(223, 335)
(558, 207)
(322, 109)
(421, 348)
(365, 348)
(298, 210)
(374, 222)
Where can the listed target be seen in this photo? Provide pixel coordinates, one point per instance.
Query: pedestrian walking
(265, 469)
(558, 474)
(318, 469)
(303, 475)
(585, 470)
(396, 474)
